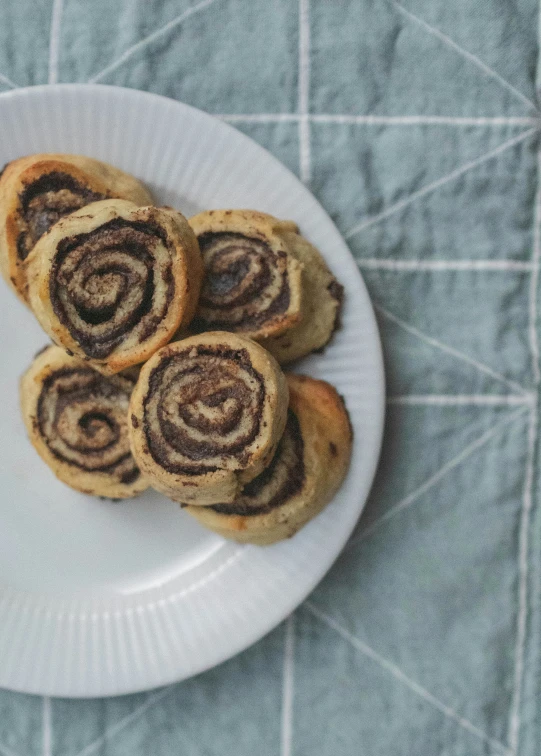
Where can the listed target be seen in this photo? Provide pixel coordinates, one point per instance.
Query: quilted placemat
(416, 124)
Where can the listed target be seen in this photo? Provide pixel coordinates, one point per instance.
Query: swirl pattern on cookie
(77, 420)
(203, 409)
(252, 284)
(113, 282)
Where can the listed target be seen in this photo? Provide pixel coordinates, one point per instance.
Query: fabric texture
(416, 124)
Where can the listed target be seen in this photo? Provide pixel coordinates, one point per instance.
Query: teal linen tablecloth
(416, 125)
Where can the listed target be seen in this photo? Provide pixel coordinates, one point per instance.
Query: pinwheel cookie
(264, 280)
(206, 416)
(113, 282)
(77, 420)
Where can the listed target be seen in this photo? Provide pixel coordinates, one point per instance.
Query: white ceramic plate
(99, 598)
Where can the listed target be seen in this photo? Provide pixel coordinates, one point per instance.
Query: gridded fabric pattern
(416, 125)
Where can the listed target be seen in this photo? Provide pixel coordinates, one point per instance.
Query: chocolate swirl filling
(281, 480)
(203, 410)
(113, 283)
(246, 283)
(44, 201)
(82, 416)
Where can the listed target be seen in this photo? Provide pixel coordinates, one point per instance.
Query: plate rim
(317, 575)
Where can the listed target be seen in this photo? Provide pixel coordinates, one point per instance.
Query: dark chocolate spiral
(82, 418)
(112, 284)
(281, 480)
(203, 409)
(44, 201)
(246, 283)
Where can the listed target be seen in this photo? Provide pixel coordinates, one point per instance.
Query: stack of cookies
(169, 335)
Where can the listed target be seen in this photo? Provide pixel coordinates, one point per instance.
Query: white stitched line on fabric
(527, 502)
(515, 266)
(464, 53)
(411, 498)
(449, 350)
(8, 82)
(261, 117)
(46, 728)
(398, 674)
(460, 400)
(414, 120)
(54, 41)
(536, 260)
(287, 689)
(123, 723)
(304, 91)
(374, 120)
(397, 206)
(148, 40)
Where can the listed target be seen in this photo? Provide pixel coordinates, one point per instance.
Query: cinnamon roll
(206, 416)
(113, 282)
(309, 466)
(36, 191)
(252, 283)
(77, 420)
